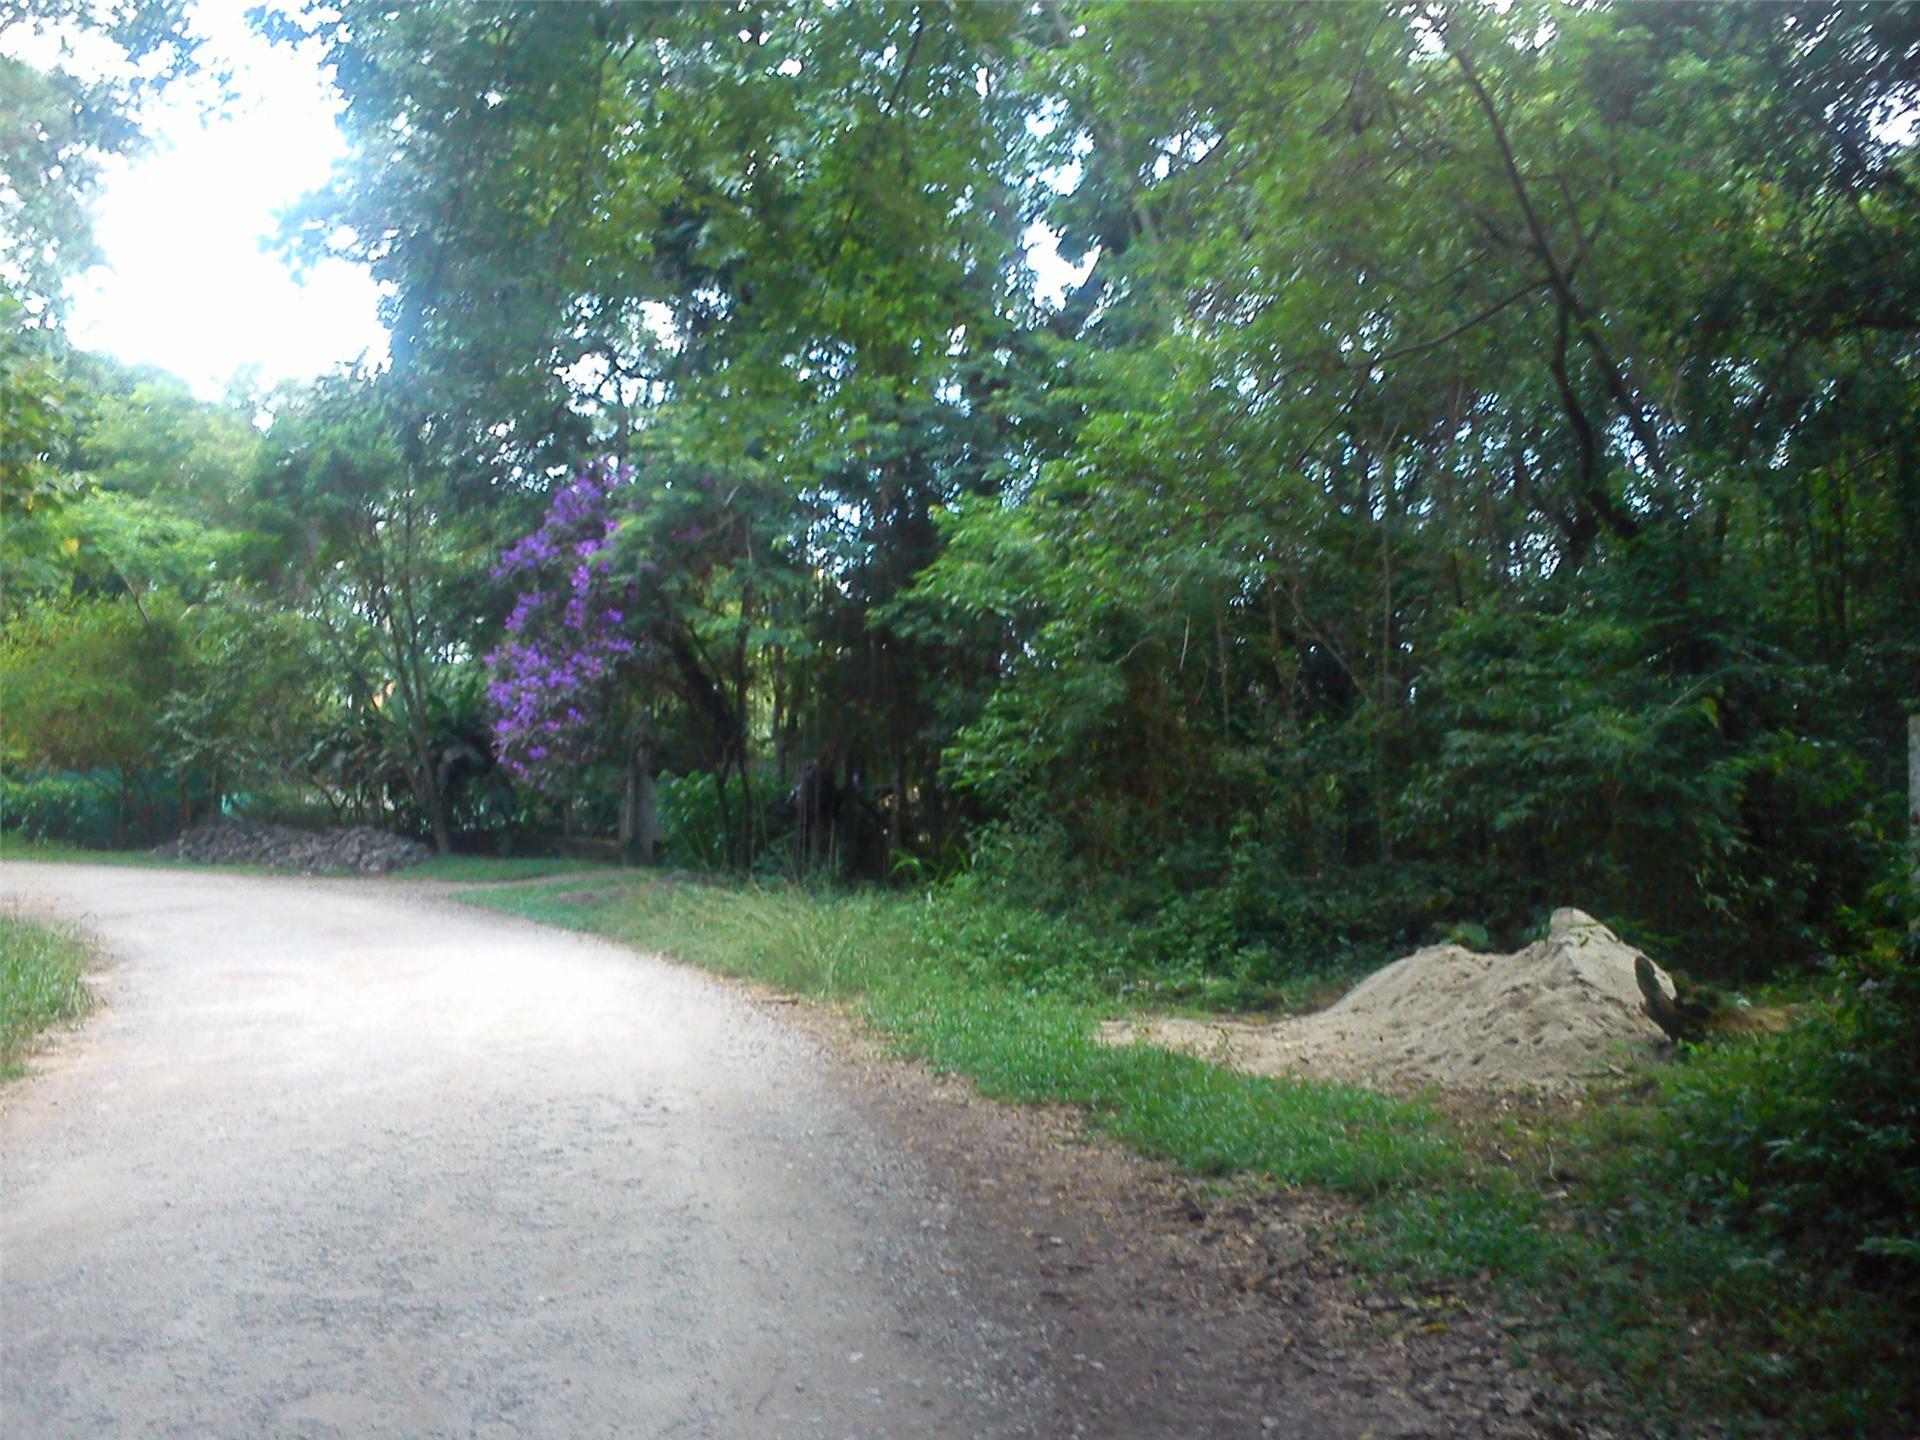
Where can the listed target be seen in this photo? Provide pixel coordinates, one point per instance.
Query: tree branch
(1465, 325)
(1610, 371)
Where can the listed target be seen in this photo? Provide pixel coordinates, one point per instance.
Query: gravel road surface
(335, 1159)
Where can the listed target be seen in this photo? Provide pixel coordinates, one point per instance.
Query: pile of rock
(311, 852)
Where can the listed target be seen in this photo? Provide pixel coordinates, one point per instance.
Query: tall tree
(370, 542)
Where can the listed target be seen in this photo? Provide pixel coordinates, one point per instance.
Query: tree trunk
(746, 811)
(722, 826)
(629, 802)
(437, 819)
(638, 836)
(646, 826)
(431, 799)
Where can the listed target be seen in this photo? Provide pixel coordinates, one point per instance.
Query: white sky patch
(1052, 275)
(189, 284)
(1898, 126)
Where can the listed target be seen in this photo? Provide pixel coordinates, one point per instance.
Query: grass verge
(1619, 1284)
(17, 847)
(1026, 1043)
(491, 869)
(40, 969)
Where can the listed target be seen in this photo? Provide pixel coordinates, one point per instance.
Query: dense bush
(694, 825)
(1760, 1197)
(1812, 1137)
(76, 809)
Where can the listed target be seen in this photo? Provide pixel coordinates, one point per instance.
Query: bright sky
(190, 282)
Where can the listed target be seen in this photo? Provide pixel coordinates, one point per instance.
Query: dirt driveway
(332, 1162)
(341, 1158)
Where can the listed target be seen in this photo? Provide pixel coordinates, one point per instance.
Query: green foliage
(1811, 1139)
(976, 932)
(62, 806)
(126, 717)
(251, 700)
(1313, 584)
(40, 969)
(39, 400)
(363, 535)
(84, 682)
(694, 825)
(1462, 540)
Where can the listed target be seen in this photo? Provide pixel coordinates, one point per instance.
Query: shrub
(59, 806)
(1812, 1138)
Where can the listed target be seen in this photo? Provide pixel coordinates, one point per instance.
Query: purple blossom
(551, 676)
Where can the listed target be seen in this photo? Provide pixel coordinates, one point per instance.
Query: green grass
(1610, 1277)
(1027, 1044)
(40, 968)
(484, 869)
(17, 847)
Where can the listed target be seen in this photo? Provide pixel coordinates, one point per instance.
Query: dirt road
(344, 1158)
(333, 1159)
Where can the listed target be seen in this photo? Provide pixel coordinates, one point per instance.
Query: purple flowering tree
(566, 646)
(632, 595)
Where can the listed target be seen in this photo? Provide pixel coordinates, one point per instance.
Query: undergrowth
(15, 846)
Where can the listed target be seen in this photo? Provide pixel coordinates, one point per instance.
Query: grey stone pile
(360, 848)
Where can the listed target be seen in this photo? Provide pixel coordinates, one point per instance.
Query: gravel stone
(359, 848)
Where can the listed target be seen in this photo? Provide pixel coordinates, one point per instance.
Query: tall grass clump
(40, 985)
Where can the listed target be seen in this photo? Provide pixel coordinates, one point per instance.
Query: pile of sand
(1546, 1019)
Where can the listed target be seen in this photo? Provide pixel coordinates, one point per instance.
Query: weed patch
(40, 969)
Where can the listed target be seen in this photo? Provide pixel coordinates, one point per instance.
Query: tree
(1563, 388)
(58, 128)
(1420, 346)
(86, 686)
(720, 245)
(366, 541)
